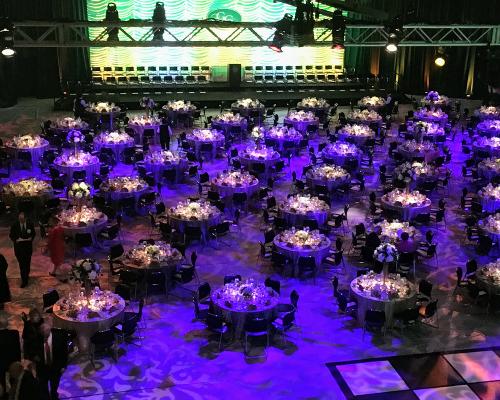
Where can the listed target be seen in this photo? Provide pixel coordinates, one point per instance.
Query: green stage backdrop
(232, 10)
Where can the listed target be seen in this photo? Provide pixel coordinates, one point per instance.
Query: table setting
(411, 149)
(429, 131)
(139, 123)
(115, 140)
(489, 168)
(339, 152)
(415, 173)
(34, 144)
(157, 161)
(432, 114)
(228, 120)
(364, 117)
(69, 162)
(67, 124)
(313, 104)
(196, 214)
(489, 128)
(358, 134)
(179, 106)
(331, 176)
(490, 145)
(391, 293)
(247, 105)
(372, 103)
(487, 112)
(295, 243)
(229, 183)
(82, 219)
(390, 231)
(197, 137)
(279, 135)
(238, 299)
(297, 208)
(259, 154)
(301, 119)
(407, 204)
(32, 189)
(120, 187)
(488, 277)
(434, 99)
(490, 197)
(97, 110)
(491, 225)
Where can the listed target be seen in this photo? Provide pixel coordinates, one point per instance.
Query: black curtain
(40, 72)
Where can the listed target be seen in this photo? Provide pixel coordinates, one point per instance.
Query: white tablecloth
(301, 126)
(90, 170)
(116, 147)
(157, 169)
(294, 253)
(139, 132)
(36, 152)
(407, 213)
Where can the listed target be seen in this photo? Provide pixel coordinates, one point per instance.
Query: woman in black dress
(4, 283)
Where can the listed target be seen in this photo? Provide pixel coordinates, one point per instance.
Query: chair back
(425, 287)
(231, 278)
(273, 284)
(294, 299)
(256, 325)
(50, 298)
(431, 309)
(116, 251)
(204, 291)
(375, 317)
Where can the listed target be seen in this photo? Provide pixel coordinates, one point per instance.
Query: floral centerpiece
(257, 133)
(73, 217)
(357, 130)
(162, 157)
(79, 193)
(69, 123)
(123, 184)
(492, 223)
(114, 137)
(491, 272)
(328, 172)
(406, 199)
(95, 305)
(303, 204)
(236, 179)
(491, 126)
(313, 102)
(76, 137)
(27, 142)
(228, 118)
(393, 230)
(408, 172)
(428, 128)
(148, 104)
(245, 296)
(413, 146)
(87, 272)
(301, 115)
(371, 102)
(260, 153)
(194, 210)
(431, 114)
(30, 187)
(377, 286)
(488, 112)
(386, 253)
(493, 142)
(433, 98)
(302, 238)
(151, 254)
(205, 135)
(340, 148)
(492, 164)
(179, 105)
(282, 132)
(248, 103)
(490, 192)
(364, 116)
(103, 107)
(79, 159)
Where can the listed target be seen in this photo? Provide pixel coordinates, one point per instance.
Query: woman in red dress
(55, 245)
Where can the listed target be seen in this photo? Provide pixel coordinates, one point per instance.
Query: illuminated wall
(234, 10)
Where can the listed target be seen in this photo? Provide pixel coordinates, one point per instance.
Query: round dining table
(301, 125)
(139, 128)
(35, 152)
(488, 278)
(409, 212)
(157, 168)
(89, 168)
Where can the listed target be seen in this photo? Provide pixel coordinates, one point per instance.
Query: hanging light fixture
(440, 58)
(394, 34)
(7, 38)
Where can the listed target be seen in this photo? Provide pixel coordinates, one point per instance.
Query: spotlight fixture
(394, 34)
(7, 38)
(440, 58)
(283, 28)
(338, 30)
(112, 16)
(159, 18)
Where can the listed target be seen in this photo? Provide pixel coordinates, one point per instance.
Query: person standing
(55, 245)
(165, 134)
(22, 234)
(4, 283)
(10, 350)
(53, 359)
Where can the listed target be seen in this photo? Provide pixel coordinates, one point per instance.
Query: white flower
(74, 186)
(83, 185)
(87, 266)
(78, 195)
(92, 275)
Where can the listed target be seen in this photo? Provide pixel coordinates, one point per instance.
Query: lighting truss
(213, 33)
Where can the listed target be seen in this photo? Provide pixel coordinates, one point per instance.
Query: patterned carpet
(175, 360)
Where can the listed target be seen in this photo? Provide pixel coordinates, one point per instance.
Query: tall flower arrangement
(79, 193)
(86, 272)
(147, 103)
(386, 253)
(76, 137)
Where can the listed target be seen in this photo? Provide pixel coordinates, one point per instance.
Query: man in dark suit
(52, 360)
(24, 386)
(22, 234)
(165, 134)
(10, 349)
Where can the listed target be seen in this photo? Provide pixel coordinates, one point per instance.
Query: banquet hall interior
(214, 199)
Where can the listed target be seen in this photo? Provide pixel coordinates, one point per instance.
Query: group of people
(38, 373)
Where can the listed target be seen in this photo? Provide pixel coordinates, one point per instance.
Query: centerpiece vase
(87, 285)
(385, 271)
(148, 112)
